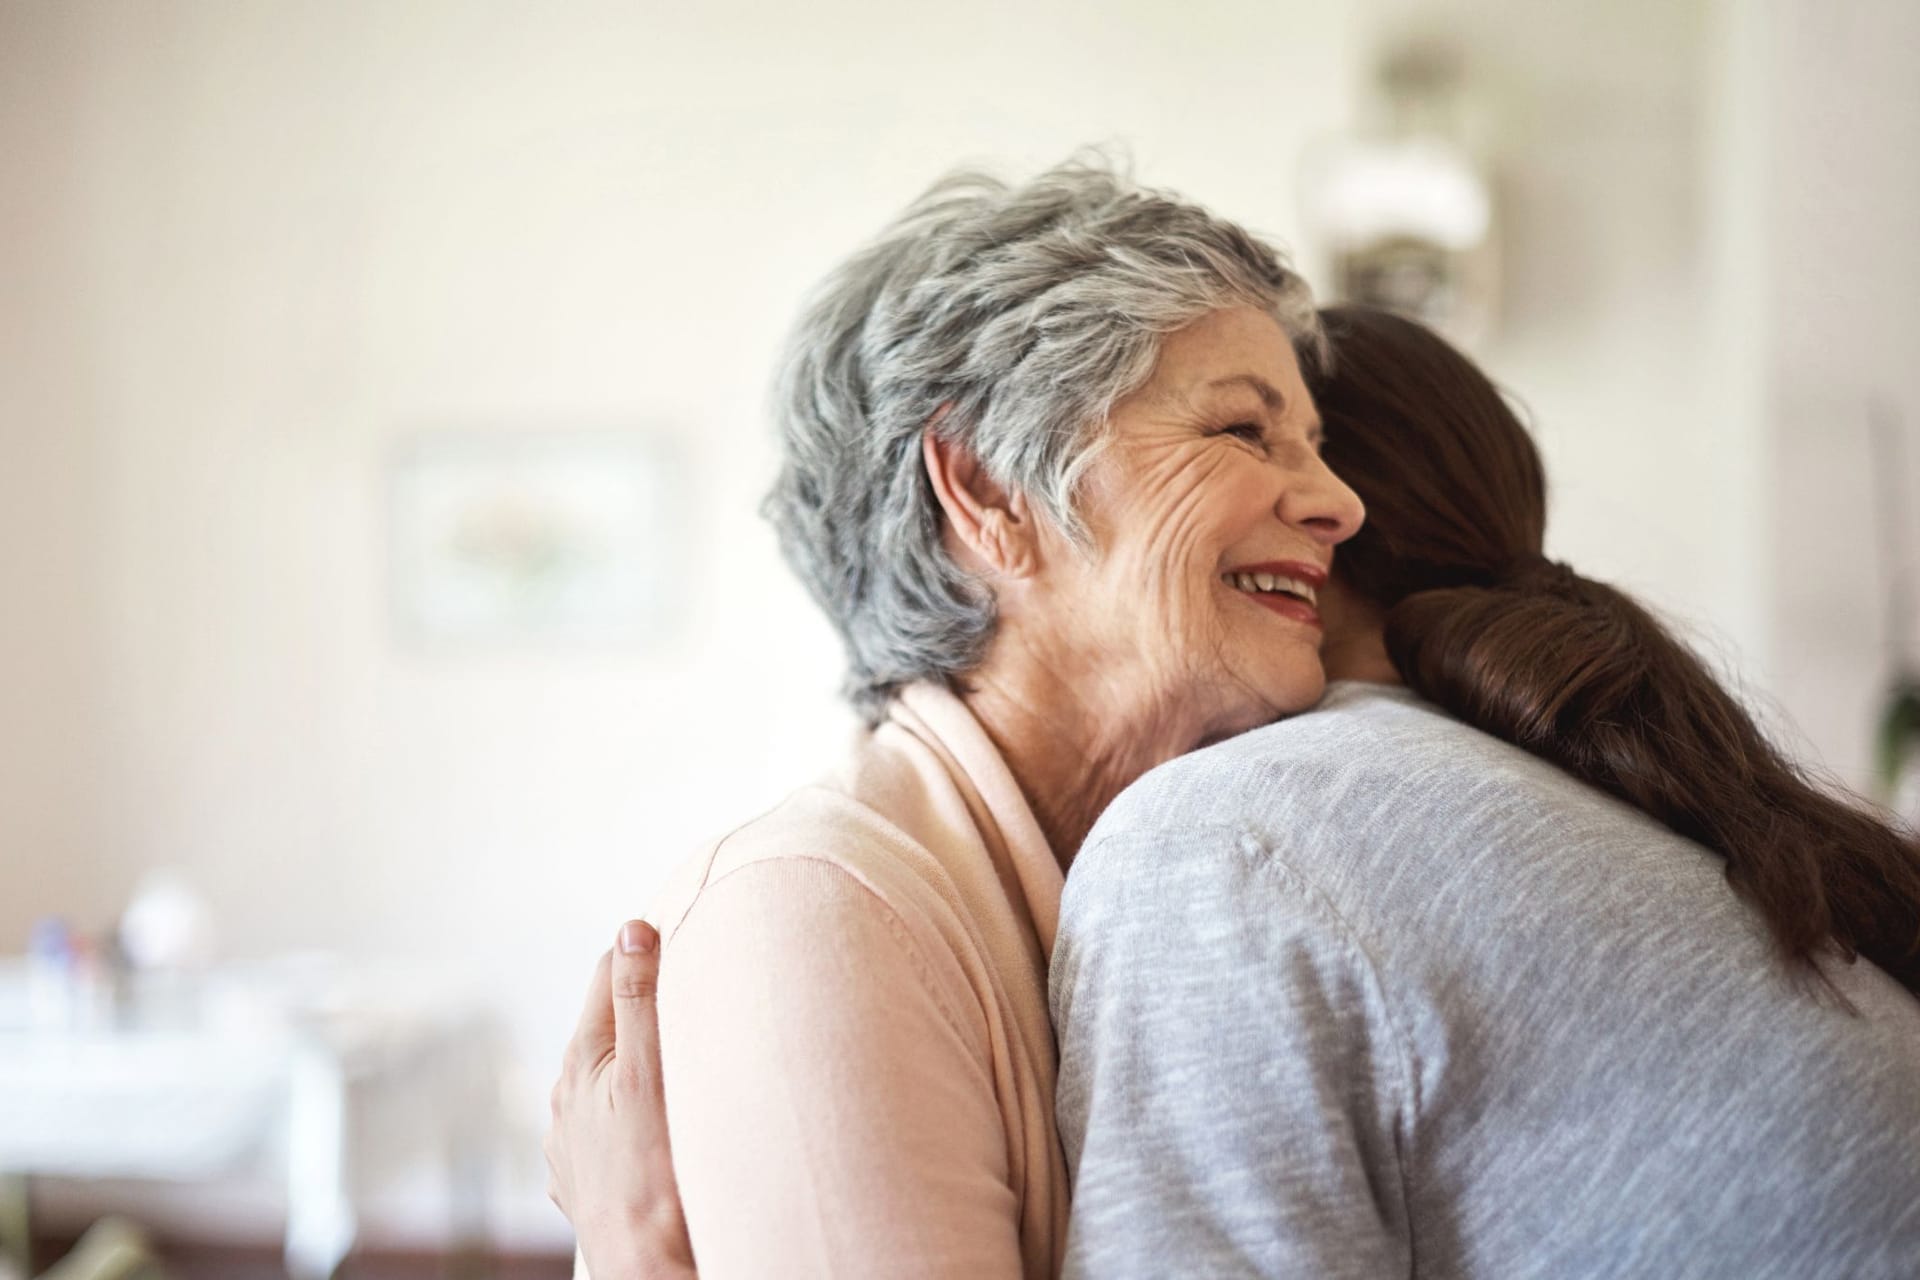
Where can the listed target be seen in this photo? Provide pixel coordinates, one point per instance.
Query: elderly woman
(1051, 469)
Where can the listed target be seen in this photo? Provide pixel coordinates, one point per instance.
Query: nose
(1320, 502)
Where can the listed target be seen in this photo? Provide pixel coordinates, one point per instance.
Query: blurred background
(383, 605)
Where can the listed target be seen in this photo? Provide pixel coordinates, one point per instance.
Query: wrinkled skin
(1213, 464)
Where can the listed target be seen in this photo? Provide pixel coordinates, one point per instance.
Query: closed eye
(1251, 432)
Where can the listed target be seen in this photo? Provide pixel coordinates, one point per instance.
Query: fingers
(636, 1015)
(593, 1039)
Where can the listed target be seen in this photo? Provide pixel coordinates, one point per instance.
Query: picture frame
(535, 538)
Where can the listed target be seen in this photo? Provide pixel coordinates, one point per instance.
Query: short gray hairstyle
(1025, 313)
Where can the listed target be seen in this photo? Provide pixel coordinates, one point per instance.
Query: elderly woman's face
(1214, 522)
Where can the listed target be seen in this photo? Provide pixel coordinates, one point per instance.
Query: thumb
(636, 1017)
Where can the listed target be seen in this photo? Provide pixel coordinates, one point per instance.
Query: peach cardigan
(853, 1011)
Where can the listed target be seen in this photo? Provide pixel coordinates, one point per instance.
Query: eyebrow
(1268, 393)
(1269, 396)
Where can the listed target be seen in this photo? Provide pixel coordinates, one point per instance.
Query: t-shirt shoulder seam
(1407, 1057)
(1240, 834)
(1241, 837)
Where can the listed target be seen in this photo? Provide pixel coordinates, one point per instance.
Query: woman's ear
(990, 529)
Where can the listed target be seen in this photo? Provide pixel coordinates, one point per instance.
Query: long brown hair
(1572, 670)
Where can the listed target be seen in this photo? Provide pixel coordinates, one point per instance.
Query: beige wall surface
(249, 249)
(52, 794)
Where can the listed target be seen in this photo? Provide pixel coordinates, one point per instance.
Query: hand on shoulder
(609, 1161)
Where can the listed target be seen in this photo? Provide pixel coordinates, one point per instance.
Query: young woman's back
(1370, 992)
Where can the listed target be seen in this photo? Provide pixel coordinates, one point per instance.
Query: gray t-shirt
(1370, 993)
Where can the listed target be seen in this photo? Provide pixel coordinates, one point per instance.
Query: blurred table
(243, 1076)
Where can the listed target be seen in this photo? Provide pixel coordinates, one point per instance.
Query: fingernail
(636, 936)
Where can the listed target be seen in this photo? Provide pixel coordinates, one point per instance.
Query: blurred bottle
(50, 976)
(92, 985)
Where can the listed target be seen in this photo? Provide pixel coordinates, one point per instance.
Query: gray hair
(1025, 313)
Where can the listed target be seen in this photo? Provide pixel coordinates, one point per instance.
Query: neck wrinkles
(1071, 758)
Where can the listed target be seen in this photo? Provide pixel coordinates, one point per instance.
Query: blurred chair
(112, 1249)
(315, 1081)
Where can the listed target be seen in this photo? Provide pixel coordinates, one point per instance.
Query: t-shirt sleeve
(829, 1094)
(1230, 1093)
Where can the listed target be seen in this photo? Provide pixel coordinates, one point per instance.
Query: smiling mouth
(1272, 584)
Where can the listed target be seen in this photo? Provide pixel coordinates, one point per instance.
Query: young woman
(1523, 954)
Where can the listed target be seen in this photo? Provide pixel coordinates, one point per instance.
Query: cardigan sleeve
(829, 1089)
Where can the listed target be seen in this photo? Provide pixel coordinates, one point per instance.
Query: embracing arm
(1230, 1088)
(828, 1088)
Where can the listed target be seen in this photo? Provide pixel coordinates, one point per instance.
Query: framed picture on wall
(535, 538)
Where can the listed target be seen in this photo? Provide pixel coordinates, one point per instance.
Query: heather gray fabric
(1369, 993)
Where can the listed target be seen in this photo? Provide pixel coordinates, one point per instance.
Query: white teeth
(1271, 582)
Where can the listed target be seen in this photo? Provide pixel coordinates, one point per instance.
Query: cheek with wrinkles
(1171, 509)
(1179, 590)
(1163, 517)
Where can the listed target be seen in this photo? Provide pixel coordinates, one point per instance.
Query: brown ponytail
(1570, 669)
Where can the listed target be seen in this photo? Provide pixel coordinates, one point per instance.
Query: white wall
(1843, 292)
(261, 241)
